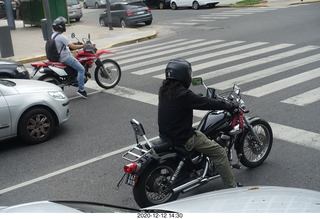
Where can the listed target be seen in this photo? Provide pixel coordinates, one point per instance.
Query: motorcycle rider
(175, 115)
(63, 44)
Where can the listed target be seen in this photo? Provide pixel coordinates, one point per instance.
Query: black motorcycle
(158, 171)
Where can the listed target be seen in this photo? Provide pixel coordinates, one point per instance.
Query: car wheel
(36, 125)
(195, 5)
(123, 23)
(96, 5)
(102, 23)
(148, 22)
(174, 6)
(85, 5)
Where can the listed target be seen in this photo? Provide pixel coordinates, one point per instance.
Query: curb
(266, 5)
(136, 40)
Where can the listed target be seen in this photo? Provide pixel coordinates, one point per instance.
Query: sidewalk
(29, 45)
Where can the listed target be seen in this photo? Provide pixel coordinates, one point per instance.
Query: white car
(195, 4)
(94, 3)
(31, 109)
(254, 199)
(74, 10)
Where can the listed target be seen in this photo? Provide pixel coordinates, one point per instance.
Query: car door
(116, 11)
(5, 119)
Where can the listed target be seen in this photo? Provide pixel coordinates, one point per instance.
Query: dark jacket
(175, 116)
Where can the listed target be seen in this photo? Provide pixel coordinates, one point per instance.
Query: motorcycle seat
(161, 145)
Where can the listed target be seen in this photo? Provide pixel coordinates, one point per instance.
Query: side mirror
(196, 81)
(73, 35)
(236, 89)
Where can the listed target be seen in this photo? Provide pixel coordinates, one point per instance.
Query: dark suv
(12, 69)
(2, 10)
(127, 13)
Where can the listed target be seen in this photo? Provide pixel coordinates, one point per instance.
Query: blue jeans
(74, 63)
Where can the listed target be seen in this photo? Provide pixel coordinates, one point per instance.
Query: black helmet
(180, 70)
(59, 24)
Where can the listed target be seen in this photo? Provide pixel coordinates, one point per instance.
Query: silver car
(94, 3)
(31, 109)
(253, 199)
(74, 10)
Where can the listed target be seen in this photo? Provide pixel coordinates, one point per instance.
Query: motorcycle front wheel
(108, 74)
(253, 154)
(151, 187)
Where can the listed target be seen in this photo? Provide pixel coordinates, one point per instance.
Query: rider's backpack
(51, 50)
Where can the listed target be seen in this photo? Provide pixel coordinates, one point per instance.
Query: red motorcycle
(107, 73)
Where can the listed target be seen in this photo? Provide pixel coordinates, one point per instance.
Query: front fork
(252, 131)
(104, 71)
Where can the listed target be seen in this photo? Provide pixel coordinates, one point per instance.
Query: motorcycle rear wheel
(50, 79)
(110, 77)
(151, 188)
(253, 154)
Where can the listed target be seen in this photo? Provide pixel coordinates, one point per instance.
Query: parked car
(12, 69)
(195, 4)
(256, 199)
(127, 13)
(161, 4)
(74, 10)
(94, 3)
(2, 10)
(31, 109)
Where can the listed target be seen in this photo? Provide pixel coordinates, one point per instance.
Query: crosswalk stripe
(230, 58)
(223, 60)
(136, 51)
(156, 56)
(282, 132)
(182, 54)
(262, 73)
(284, 83)
(306, 98)
(178, 47)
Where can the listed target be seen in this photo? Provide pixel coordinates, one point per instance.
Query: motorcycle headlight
(58, 95)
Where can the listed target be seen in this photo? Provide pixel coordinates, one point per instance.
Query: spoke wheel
(108, 75)
(151, 188)
(253, 154)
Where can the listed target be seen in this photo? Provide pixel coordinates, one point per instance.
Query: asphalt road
(83, 160)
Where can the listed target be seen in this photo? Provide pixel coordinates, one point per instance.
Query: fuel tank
(214, 121)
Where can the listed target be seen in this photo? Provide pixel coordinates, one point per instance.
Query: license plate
(130, 180)
(140, 12)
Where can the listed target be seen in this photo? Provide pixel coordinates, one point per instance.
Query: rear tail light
(149, 10)
(130, 168)
(130, 13)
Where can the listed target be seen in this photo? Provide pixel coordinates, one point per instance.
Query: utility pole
(109, 15)
(9, 14)
(48, 16)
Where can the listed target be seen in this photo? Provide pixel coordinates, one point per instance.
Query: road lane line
(304, 98)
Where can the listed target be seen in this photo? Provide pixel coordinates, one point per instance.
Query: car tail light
(149, 10)
(130, 168)
(130, 13)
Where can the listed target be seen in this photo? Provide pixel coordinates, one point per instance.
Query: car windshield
(72, 2)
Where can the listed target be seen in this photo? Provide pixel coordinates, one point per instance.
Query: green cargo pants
(216, 154)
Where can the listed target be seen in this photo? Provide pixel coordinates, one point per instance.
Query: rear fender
(38, 64)
(100, 52)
